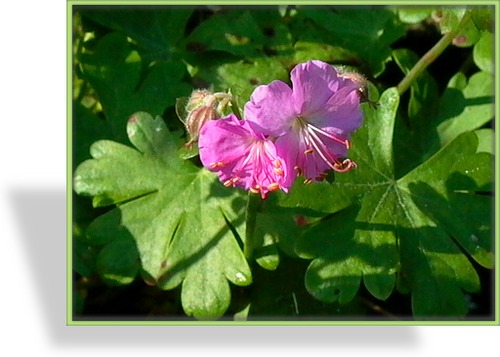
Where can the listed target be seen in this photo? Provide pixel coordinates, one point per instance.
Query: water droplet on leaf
(240, 277)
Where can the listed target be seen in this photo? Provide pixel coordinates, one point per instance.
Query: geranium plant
(285, 161)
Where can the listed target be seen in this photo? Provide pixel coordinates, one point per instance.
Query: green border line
(69, 181)
(69, 162)
(497, 167)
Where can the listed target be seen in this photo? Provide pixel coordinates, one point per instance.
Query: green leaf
(465, 105)
(450, 18)
(234, 32)
(242, 315)
(121, 95)
(486, 140)
(483, 17)
(180, 218)
(413, 15)
(414, 134)
(277, 227)
(277, 39)
(156, 32)
(84, 256)
(418, 231)
(87, 128)
(468, 35)
(118, 262)
(483, 52)
(243, 77)
(371, 41)
(423, 91)
(318, 197)
(281, 292)
(305, 50)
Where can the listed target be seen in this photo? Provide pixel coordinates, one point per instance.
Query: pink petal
(224, 140)
(271, 107)
(341, 114)
(314, 82)
(241, 156)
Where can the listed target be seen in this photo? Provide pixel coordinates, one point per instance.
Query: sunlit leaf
(404, 228)
(413, 15)
(242, 77)
(483, 52)
(464, 108)
(450, 18)
(175, 214)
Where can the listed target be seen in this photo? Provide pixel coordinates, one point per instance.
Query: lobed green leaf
(483, 52)
(415, 228)
(179, 219)
(463, 108)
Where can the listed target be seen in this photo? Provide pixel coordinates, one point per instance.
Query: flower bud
(195, 120)
(203, 105)
(362, 84)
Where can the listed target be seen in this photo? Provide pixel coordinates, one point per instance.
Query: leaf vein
(380, 203)
(402, 205)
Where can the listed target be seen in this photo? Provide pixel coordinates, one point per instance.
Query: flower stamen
(255, 189)
(273, 186)
(328, 135)
(216, 165)
(317, 145)
(277, 168)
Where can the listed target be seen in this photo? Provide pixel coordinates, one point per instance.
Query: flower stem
(431, 55)
(253, 204)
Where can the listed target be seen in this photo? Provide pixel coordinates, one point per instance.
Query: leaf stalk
(253, 205)
(431, 55)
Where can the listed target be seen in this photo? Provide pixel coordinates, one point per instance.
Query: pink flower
(311, 121)
(242, 156)
(287, 132)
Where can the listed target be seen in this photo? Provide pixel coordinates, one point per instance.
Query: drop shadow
(41, 218)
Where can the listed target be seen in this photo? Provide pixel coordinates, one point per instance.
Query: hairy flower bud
(203, 105)
(362, 84)
(196, 119)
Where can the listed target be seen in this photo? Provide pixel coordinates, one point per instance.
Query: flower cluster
(286, 132)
